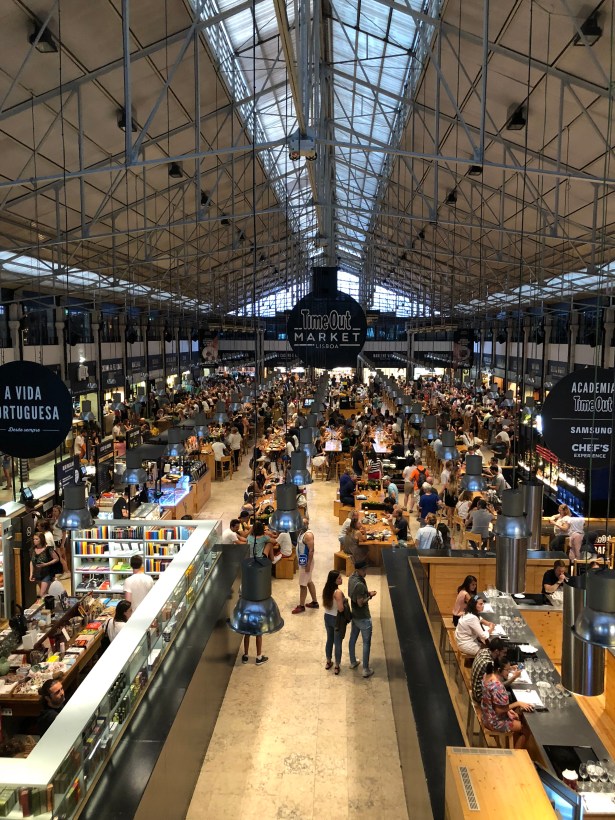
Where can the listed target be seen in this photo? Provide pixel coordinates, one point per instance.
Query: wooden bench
(343, 513)
(336, 507)
(284, 569)
(342, 562)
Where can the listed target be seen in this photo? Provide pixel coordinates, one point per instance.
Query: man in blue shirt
(428, 502)
(347, 488)
(390, 489)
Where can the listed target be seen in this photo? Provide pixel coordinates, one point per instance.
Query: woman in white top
(408, 485)
(427, 534)
(333, 602)
(472, 631)
(463, 505)
(561, 526)
(123, 611)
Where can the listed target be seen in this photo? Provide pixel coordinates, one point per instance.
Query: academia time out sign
(36, 410)
(577, 417)
(327, 331)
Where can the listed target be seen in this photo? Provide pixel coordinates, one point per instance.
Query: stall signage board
(155, 362)
(66, 472)
(577, 418)
(327, 331)
(112, 373)
(36, 410)
(133, 438)
(136, 364)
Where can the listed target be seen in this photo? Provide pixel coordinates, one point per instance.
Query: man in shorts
(305, 573)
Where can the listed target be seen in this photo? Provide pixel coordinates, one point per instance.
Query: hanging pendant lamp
(473, 479)
(174, 439)
(256, 613)
(448, 450)
(286, 517)
(75, 515)
(299, 474)
(134, 473)
(220, 415)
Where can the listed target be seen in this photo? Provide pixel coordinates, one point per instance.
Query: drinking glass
(583, 775)
(592, 771)
(604, 776)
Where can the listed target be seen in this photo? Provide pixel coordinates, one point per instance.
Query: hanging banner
(209, 353)
(327, 331)
(36, 410)
(577, 417)
(463, 349)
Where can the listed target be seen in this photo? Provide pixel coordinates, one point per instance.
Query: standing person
(333, 602)
(79, 448)
(234, 442)
(137, 585)
(7, 464)
(408, 486)
(360, 597)
(44, 563)
(305, 544)
(121, 508)
(428, 502)
(358, 460)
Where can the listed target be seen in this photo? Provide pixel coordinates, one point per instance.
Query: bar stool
(224, 467)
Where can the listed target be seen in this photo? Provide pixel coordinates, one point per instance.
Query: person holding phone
(497, 713)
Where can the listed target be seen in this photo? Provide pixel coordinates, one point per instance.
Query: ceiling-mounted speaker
(131, 335)
(168, 334)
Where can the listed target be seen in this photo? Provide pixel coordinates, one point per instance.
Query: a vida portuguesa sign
(327, 331)
(36, 410)
(577, 417)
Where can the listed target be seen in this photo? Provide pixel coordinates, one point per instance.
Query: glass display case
(58, 775)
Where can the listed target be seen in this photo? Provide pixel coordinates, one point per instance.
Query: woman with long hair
(123, 611)
(498, 714)
(464, 593)
(44, 563)
(333, 602)
(472, 631)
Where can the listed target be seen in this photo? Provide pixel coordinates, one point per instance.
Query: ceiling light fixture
(517, 119)
(205, 200)
(121, 121)
(175, 170)
(590, 30)
(475, 170)
(451, 197)
(45, 43)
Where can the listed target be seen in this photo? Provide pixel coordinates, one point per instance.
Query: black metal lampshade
(286, 517)
(200, 425)
(306, 441)
(86, 411)
(429, 428)
(134, 473)
(416, 414)
(473, 479)
(220, 415)
(596, 622)
(75, 515)
(299, 474)
(448, 450)
(235, 402)
(175, 446)
(256, 613)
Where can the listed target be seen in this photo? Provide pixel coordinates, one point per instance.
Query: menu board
(104, 465)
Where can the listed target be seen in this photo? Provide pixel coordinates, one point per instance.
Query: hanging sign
(327, 331)
(577, 417)
(463, 348)
(36, 410)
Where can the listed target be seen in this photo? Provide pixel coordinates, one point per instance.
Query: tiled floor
(293, 741)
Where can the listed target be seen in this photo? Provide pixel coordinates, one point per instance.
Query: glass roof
(374, 48)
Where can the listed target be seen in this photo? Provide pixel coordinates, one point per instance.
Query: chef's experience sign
(36, 410)
(577, 417)
(327, 331)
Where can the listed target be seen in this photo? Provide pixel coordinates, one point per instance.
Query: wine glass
(583, 775)
(592, 771)
(604, 775)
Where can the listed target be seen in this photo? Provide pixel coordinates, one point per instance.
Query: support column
(573, 332)
(63, 341)
(548, 324)
(15, 317)
(609, 329)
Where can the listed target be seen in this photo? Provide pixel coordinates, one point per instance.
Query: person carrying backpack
(418, 475)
